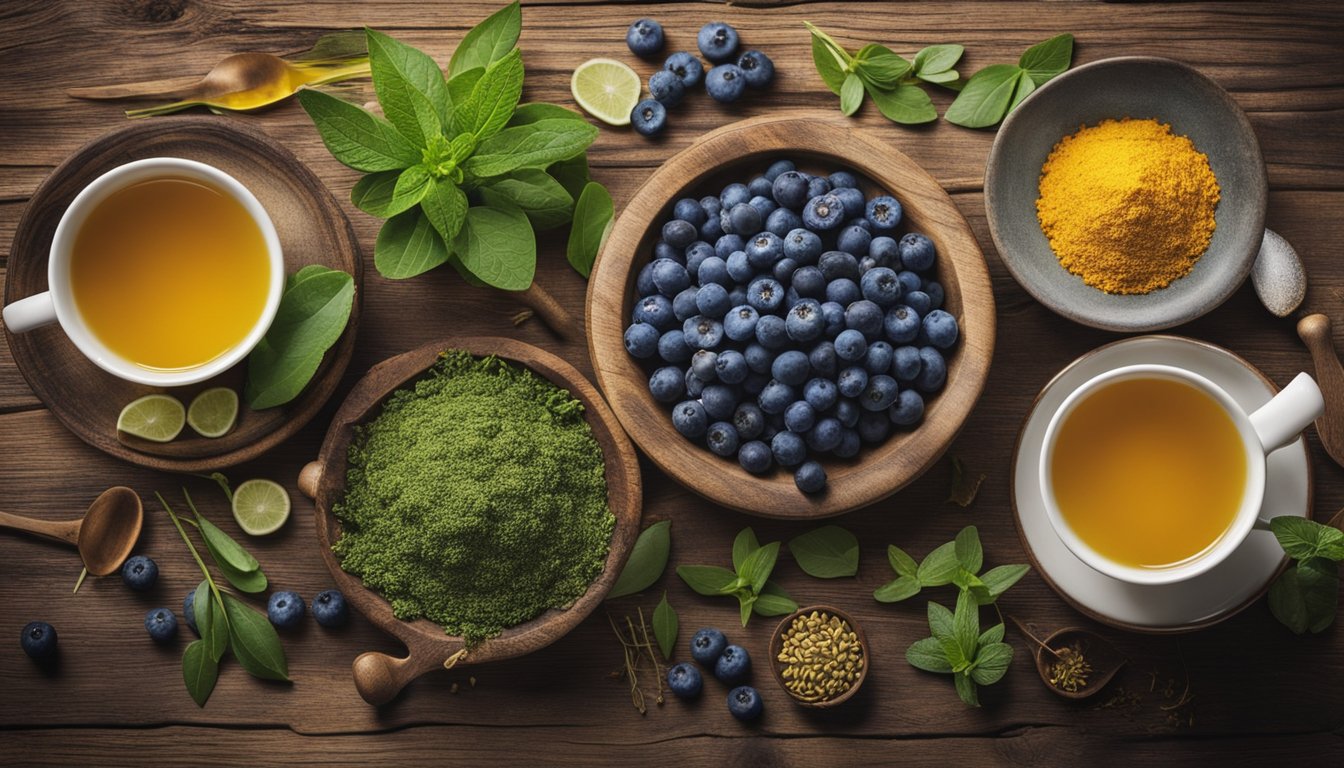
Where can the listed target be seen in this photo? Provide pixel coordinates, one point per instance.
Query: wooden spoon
(1101, 656)
(104, 535)
(1314, 330)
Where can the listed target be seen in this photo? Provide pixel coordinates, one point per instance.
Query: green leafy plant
(829, 552)
(956, 562)
(647, 561)
(749, 581)
(314, 310)
(665, 626)
(957, 647)
(1305, 597)
(462, 173)
(895, 84)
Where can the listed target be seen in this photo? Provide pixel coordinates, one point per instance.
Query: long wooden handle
(173, 87)
(379, 677)
(1315, 332)
(66, 531)
(555, 316)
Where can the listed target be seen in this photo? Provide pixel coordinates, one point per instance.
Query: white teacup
(57, 304)
(1272, 426)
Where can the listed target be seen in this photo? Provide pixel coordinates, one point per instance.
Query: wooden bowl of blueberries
(791, 317)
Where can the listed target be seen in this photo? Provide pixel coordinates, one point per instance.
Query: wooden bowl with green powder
(476, 498)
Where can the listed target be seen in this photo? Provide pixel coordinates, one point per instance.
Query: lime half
(606, 89)
(213, 412)
(153, 417)
(260, 506)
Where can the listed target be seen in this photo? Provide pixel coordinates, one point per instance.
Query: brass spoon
(104, 535)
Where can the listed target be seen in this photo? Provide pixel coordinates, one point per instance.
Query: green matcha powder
(477, 499)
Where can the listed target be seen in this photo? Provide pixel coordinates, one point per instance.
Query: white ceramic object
(56, 305)
(1197, 602)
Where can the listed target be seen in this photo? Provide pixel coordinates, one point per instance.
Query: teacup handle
(1279, 422)
(33, 312)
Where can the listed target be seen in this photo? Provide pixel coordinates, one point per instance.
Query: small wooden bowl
(1103, 657)
(777, 667)
(379, 677)
(736, 153)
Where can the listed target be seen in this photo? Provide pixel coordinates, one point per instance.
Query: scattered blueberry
(38, 640)
(745, 703)
(161, 625)
(733, 665)
(284, 609)
(707, 645)
(139, 573)
(725, 83)
(645, 38)
(684, 680)
(757, 69)
(687, 67)
(717, 41)
(648, 117)
(329, 608)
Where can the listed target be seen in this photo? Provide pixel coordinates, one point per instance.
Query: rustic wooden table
(1255, 691)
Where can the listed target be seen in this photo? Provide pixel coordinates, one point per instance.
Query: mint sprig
(1305, 597)
(749, 581)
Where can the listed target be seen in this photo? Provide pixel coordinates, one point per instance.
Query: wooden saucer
(86, 399)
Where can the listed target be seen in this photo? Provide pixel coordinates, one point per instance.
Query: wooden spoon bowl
(736, 153)
(379, 677)
(777, 667)
(1103, 657)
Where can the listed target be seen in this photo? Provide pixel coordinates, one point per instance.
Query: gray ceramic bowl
(1136, 87)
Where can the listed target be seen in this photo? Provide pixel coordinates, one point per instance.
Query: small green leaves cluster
(895, 84)
(956, 646)
(313, 312)
(462, 173)
(749, 581)
(1305, 597)
(829, 552)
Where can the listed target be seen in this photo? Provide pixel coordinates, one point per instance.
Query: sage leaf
(902, 588)
(488, 41)
(540, 197)
(966, 690)
(311, 317)
(927, 654)
(743, 547)
(1303, 539)
(380, 194)
(709, 580)
(251, 582)
(232, 560)
(901, 563)
(970, 555)
(829, 552)
(526, 114)
(936, 59)
(594, 216)
(984, 101)
(757, 568)
(497, 245)
(991, 663)
(999, 578)
(851, 94)
(408, 245)
(1047, 59)
(254, 641)
(535, 145)
(774, 601)
(964, 486)
(357, 138)
(646, 563)
(665, 627)
(992, 635)
(832, 73)
(211, 621)
(573, 175)
(199, 671)
(492, 99)
(445, 207)
(966, 625)
(906, 104)
(410, 88)
(939, 566)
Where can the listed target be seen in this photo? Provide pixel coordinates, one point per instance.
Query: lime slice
(606, 89)
(213, 412)
(260, 506)
(153, 417)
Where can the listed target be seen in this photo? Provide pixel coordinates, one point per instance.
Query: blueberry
(879, 394)
(670, 277)
(695, 385)
(712, 229)
(685, 66)
(810, 477)
(800, 416)
(941, 329)
(819, 393)
(754, 456)
(714, 270)
(849, 446)
(641, 340)
(690, 419)
(935, 293)
(852, 381)
(817, 186)
(778, 168)
(771, 332)
(921, 303)
(757, 69)
(719, 401)
(852, 239)
(665, 250)
(748, 420)
(867, 263)
(712, 301)
(910, 281)
(847, 411)
(733, 665)
(776, 396)
(791, 368)
(648, 117)
(822, 359)
(771, 429)
(825, 436)
(852, 199)
(865, 317)
(880, 286)
(717, 41)
(739, 324)
(782, 221)
(839, 265)
(284, 609)
(861, 223)
(667, 89)
(655, 310)
(725, 83)
(834, 314)
(843, 180)
(672, 347)
(690, 210)
(790, 190)
(850, 346)
(742, 219)
(707, 646)
(667, 384)
(679, 233)
(884, 213)
(139, 573)
(933, 372)
(731, 367)
(161, 625)
(901, 324)
(809, 282)
(783, 271)
(684, 305)
(711, 205)
(645, 38)
(734, 194)
(874, 425)
(739, 267)
(704, 365)
(329, 608)
(38, 640)
(878, 359)
(764, 250)
(843, 291)
(737, 295)
(684, 681)
(917, 252)
(701, 332)
(905, 363)
(803, 245)
(908, 410)
(765, 294)
(696, 254)
(644, 281)
(759, 359)
(884, 251)
(189, 610)
(788, 448)
(722, 438)
(805, 322)
(760, 186)
(824, 212)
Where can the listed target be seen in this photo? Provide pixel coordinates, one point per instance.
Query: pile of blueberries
(731, 664)
(725, 82)
(809, 327)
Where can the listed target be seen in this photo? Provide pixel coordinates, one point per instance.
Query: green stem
(192, 547)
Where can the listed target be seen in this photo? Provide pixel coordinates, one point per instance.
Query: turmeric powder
(1127, 205)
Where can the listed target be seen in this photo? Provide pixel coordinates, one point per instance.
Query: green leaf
(535, 145)
(991, 663)
(460, 87)
(851, 94)
(410, 88)
(939, 567)
(594, 216)
(492, 99)
(970, 555)
(1286, 601)
(541, 197)
(497, 245)
(1025, 86)
(647, 561)
(966, 625)
(311, 317)
(199, 671)
(927, 654)
(572, 174)
(355, 137)
(966, 690)
(1319, 581)
(999, 578)
(488, 41)
(743, 546)
(992, 635)
(445, 206)
(408, 245)
(709, 580)
(936, 59)
(880, 66)
(758, 566)
(902, 588)
(948, 79)
(902, 563)
(211, 621)
(254, 641)
(665, 627)
(905, 104)
(940, 621)
(745, 601)
(774, 601)
(1303, 539)
(1047, 59)
(224, 549)
(832, 73)
(984, 101)
(385, 194)
(829, 552)
(526, 114)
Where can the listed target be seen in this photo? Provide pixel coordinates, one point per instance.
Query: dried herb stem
(1022, 628)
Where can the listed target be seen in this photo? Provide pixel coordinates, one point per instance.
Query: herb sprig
(749, 581)
(1305, 597)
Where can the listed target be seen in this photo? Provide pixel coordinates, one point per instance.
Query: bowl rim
(777, 640)
(1240, 261)
(962, 268)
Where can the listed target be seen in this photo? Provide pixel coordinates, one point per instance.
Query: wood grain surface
(1253, 693)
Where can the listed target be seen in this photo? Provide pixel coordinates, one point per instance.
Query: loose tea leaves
(647, 561)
